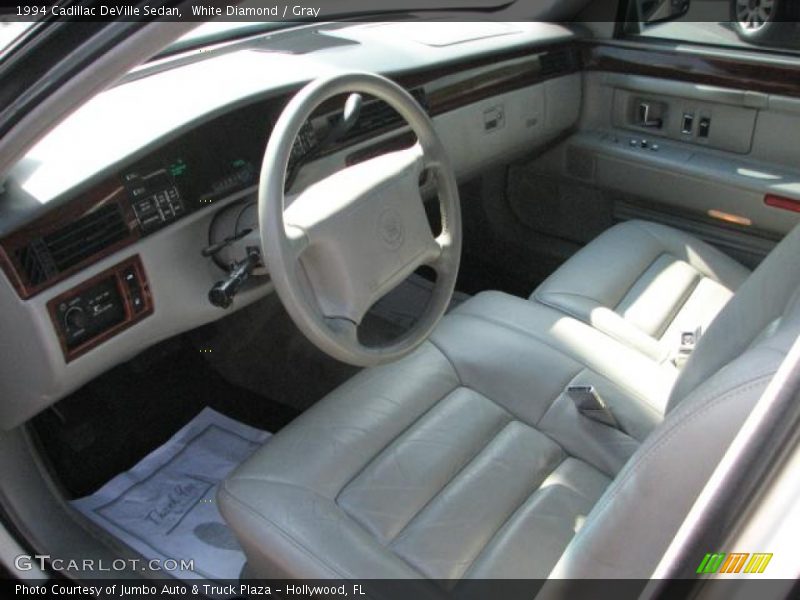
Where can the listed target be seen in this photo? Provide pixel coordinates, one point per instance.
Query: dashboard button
(75, 319)
(137, 301)
(130, 278)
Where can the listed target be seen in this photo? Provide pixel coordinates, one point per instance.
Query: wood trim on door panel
(667, 63)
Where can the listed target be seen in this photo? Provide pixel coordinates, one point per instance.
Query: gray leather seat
(644, 284)
(467, 460)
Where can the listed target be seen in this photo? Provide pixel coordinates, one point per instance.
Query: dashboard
(213, 161)
(101, 251)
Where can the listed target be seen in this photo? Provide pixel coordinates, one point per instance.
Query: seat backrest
(630, 528)
(755, 308)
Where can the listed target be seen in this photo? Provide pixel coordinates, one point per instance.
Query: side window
(11, 30)
(763, 25)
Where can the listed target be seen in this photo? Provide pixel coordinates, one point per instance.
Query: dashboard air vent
(47, 256)
(558, 62)
(36, 263)
(376, 115)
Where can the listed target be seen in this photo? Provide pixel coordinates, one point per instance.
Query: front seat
(451, 464)
(646, 285)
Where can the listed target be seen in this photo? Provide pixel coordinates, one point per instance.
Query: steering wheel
(349, 239)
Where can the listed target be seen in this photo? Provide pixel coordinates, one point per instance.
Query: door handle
(645, 119)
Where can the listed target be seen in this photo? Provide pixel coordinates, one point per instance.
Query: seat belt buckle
(689, 340)
(591, 405)
(688, 343)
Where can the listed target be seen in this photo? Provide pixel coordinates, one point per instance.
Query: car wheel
(761, 21)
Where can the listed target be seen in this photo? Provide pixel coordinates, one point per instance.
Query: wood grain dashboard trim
(501, 72)
(107, 192)
(488, 84)
(503, 78)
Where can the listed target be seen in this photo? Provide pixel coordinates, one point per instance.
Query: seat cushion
(466, 459)
(644, 284)
(405, 472)
(525, 344)
(463, 460)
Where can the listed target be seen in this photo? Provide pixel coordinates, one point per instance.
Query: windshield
(204, 34)
(234, 21)
(220, 31)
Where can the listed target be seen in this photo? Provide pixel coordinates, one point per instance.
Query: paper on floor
(165, 508)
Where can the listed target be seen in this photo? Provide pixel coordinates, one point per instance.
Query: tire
(763, 21)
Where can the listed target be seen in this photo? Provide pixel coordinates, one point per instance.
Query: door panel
(702, 156)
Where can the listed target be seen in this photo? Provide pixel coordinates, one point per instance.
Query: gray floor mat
(406, 302)
(260, 349)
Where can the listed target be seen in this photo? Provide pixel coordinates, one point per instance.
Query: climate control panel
(155, 199)
(101, 307)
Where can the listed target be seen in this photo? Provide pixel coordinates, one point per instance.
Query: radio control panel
(100, 308)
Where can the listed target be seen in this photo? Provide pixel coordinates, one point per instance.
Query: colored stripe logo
(734, 562)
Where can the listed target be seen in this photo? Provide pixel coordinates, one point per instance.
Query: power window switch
(687, 125)
(704, 127)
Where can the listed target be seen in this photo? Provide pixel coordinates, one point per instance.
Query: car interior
(398, 299)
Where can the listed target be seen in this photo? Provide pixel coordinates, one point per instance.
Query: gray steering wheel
(349, 239)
